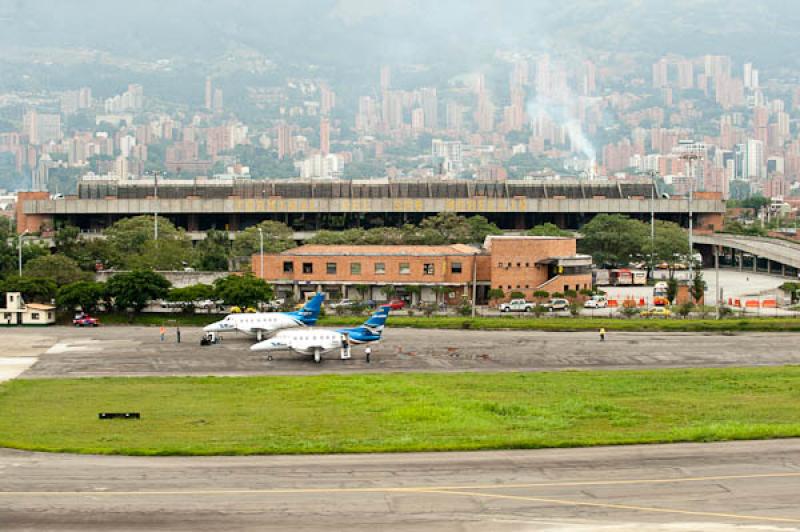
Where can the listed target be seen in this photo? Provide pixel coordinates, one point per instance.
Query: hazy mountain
(359, 31)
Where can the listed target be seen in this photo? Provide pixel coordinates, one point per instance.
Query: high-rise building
(218, 103)
(660, 74)
(589, 84)
(417, 120)
(42, 127)
(209, 94)
(484, 115)
(754, 159)
(685, 74)
(285, 142)
(327, 99)
(454, 115)
(324, 136)
(430, 106)
(448, 152)
(386, 78)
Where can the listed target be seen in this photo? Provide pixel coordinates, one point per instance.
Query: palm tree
(389, 291)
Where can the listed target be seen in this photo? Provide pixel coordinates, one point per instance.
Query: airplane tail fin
(309, 314)
(371, 329)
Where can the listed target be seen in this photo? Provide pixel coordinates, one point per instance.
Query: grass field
(505, 322)
(399, 412)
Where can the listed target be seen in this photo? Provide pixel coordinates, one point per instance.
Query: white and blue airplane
(316, 342)
(264, 324)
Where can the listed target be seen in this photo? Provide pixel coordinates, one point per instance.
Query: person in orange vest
(602, 334)
(162, 331)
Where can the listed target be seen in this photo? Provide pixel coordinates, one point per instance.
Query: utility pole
(261, 251)
(19, 250)
(718, 297)
(474, 282)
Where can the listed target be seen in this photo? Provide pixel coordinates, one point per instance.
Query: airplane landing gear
(317, 356)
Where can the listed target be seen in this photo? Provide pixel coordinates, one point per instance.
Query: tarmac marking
(565, 502)
(409, 489)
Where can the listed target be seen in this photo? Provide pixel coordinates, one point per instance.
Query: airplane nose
(210, 328)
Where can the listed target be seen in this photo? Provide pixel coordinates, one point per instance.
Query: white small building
(17, 312)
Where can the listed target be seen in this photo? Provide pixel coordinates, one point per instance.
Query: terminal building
(524, 264)
(306, 205)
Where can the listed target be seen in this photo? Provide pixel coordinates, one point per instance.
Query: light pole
(261, 251)
(652, 174)
(691, 152)
(155, 206)
(19, 250)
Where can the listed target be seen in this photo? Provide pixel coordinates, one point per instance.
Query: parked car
(596, 302)
(556, 304)
(396, 304)
(84, 320)
(343, 303)
(657, 312)
(516, 305)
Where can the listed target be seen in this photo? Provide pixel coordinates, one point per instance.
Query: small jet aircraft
(318, 341)
(264, 324)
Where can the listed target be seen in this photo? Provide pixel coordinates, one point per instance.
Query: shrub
(517, 295)
(574, 309)
(725, 311)
(629, 311)
(541, 294)
(465, 309)
(538, 310)
(558, 294)
(570, 294)
(588, 292)
(685, 309)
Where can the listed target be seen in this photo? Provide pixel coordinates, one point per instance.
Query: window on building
(355, 268)
(288, 266)
(566, 287)
(519, 265)
(330, 268)
(527, 264)
(405, 269)
(509, 265)
(34, 315)
(427, 269)
(308, 267)
(380, 267)
(456, 267)
(499, 264)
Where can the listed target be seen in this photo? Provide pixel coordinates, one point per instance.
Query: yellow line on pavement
(389, 489)
(612, 506)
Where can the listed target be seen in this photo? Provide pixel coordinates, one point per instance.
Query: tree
(670, 243)
(440, 290)
(242, 290)
(67, 241)
(135, 289)
(7, 247)
(547, 229)
(388, 291)
(33, 290)
(613, 238)
(450, 228)
(277, 237)
(495, 293)
(132, 244)
(83, 294)
(191, 295)
(672, 289)
(698, 288)
(211, 254)
(59, 268)
(362, 290)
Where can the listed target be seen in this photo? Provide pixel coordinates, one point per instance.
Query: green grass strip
(753, 324)
(399, 412)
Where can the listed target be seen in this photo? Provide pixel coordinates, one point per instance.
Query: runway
(137, 351)
(720, 486)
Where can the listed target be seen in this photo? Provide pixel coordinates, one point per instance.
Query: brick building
(511, 263)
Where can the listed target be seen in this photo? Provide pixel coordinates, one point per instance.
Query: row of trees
(617, 240)
(135, 289)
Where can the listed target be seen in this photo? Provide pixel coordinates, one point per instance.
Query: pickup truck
(516, 305)
(556, 304)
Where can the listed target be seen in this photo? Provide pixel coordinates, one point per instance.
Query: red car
(397, 304)
(85, 321)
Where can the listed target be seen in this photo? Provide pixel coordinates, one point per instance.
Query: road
(137, 351)
(721, 486)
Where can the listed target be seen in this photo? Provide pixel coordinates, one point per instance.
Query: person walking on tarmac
(368, 352)
(162, 331)
(178, 333)
(602, 334)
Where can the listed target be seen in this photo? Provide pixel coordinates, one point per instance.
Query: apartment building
(511, 263)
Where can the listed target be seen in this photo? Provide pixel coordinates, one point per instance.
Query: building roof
(401, 250)
(39, 306)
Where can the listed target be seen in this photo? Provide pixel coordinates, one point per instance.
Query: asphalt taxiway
(681, 487)
(138, 351)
